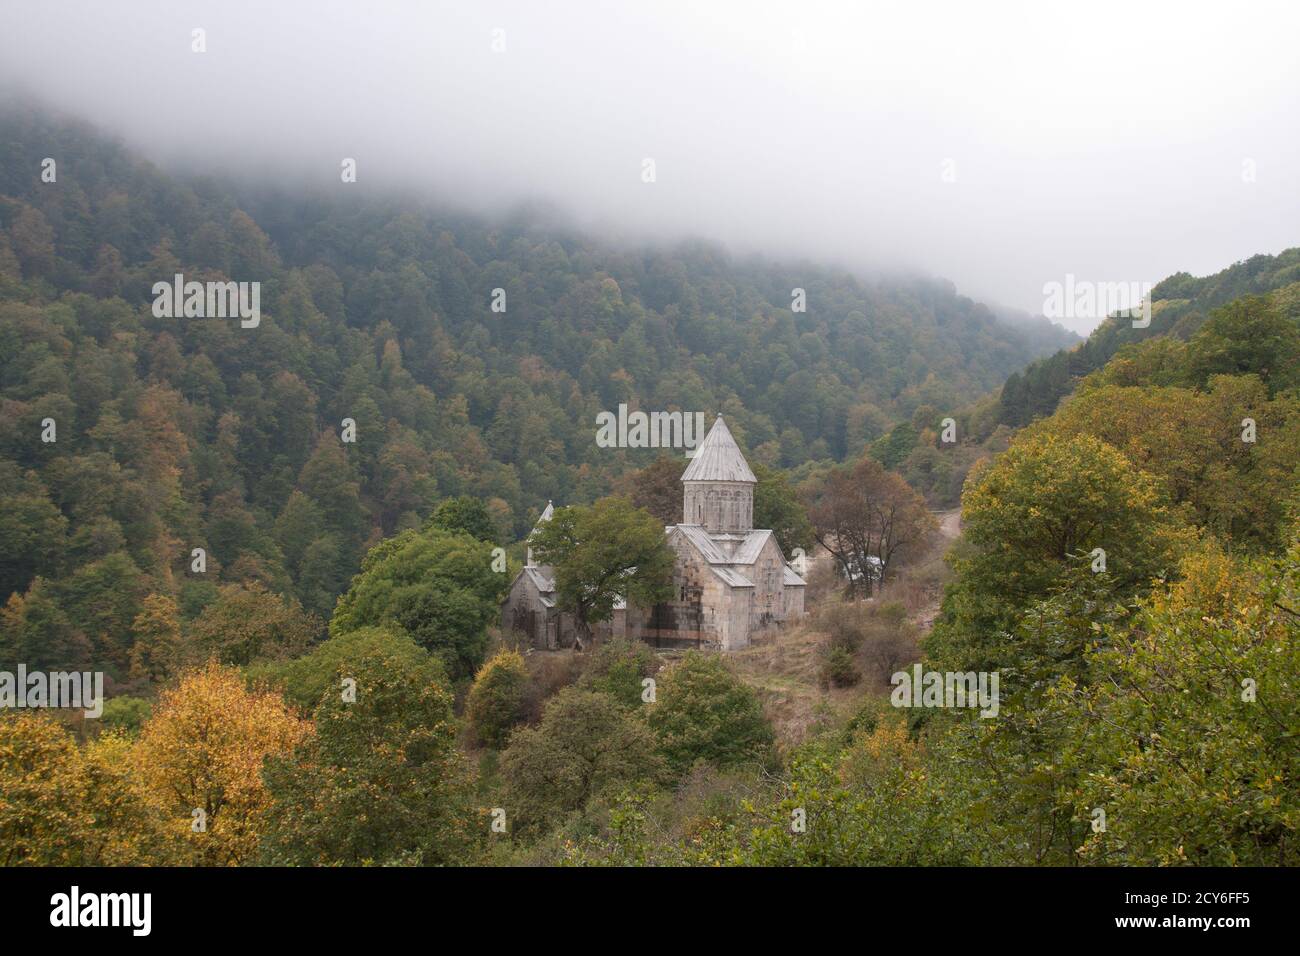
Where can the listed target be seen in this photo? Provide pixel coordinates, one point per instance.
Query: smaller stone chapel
(731, 581)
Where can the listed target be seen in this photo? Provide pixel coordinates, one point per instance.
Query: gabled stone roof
(718, 458)
(749, 549)
(543, 584)
(697, 536)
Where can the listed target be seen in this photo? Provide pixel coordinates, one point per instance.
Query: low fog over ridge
(885, 136)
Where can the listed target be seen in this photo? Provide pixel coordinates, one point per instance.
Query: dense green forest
(177, 434)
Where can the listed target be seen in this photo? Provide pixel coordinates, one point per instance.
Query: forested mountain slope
(1129, 566)
(181, 433)
(1179, 306)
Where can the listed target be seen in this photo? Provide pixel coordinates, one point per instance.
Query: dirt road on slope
(949, 531)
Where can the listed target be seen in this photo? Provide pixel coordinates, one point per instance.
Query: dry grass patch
(784, 670)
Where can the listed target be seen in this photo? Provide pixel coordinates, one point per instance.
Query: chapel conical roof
(718, 458)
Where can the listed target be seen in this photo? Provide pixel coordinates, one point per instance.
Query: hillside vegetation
(328, 688)
(176, 434)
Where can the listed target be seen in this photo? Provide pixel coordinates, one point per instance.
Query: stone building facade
(730, 580)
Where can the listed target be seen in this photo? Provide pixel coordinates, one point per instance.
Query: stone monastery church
(730, 581)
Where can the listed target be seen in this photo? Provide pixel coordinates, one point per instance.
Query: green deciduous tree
(1248, 336)
(619, 668)
(305, 680)
(465, 515)
(1031, 520)
(31, 536)
(156, 650)
(435, 586)
(704, 712)
(587, 744)
(381, 781)
(35, 631)
(248, 623)
(1187, 734)
(776, 506)
(497, 700)
(608, 550)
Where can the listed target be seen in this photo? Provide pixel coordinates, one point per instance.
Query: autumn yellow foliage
(200, 758)
(65, 805)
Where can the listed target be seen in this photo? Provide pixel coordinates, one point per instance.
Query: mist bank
(1004, 148)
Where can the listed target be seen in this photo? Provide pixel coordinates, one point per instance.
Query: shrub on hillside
(705, 712)
(586, 745)
(548, 674)
(618, 668)
(865, 639)
(126, 714)
(838, 668)
(498, 698)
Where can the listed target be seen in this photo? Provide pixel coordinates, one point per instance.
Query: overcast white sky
(1107, 140)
